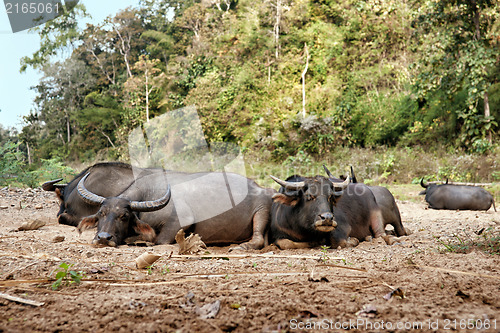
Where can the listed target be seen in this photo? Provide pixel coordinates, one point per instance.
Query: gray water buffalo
(449, 196)
(313, 211)
(107, 179)
(223, 208)
(387, 203)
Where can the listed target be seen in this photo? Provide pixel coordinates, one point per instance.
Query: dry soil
(416, 285)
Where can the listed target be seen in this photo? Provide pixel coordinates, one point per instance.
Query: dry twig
(21, 300)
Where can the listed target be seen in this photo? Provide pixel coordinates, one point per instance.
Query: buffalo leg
(377, 224)
(260, 223)
(378, 228)
(339, 238)
(168, 232)
(400, 230)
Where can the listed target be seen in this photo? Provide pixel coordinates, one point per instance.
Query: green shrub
(12, 165)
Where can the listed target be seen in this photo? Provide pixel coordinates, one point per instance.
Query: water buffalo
(311, 211)
(107, 179)
(223, 208)
(449, 196)
(386, 202)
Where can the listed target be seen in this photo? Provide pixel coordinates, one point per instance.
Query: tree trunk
(277, 28)
(124, 50)
(487, 113)
(147, 94)
(29, 153)
(306, 51)
(68, 129)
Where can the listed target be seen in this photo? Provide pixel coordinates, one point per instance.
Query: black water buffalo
(108, 179)
(223, 208)
(387, 203)
(311, 211)
(449, 196)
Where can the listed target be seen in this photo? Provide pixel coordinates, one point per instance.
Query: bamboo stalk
(243, 256)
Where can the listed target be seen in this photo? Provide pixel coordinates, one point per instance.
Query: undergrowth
(486, 240)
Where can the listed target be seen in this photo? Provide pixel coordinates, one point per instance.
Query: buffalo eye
(309, 197)
(333, 198)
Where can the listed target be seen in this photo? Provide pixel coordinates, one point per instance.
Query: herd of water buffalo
(152, 205)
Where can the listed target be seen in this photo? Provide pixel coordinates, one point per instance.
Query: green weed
(324, 253)
(67, 276)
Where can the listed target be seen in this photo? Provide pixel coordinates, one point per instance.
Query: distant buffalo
(463, 197)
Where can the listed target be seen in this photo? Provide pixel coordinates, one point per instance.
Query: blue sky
(16, 97)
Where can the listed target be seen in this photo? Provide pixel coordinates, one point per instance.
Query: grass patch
(486, 240)
(384, 165)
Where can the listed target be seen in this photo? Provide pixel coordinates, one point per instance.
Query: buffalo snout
(104, 239)
(325, 222)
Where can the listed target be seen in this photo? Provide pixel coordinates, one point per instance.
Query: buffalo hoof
(252, 245)
(352, 242)
(349, 242)
(368, 238)
(286, 244)
(390, 240)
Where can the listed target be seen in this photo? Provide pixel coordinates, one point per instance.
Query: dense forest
(278, 78)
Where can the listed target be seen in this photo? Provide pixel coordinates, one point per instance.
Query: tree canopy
(276, 77)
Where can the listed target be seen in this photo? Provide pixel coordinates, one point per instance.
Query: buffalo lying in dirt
(107, 179)
(223, 208)
(312, 211)
(449, 196)
(385, 200)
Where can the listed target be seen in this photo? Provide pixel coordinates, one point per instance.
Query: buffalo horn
(340, 186)
(289, 185)
(328, 173)
(50, 185)
(422, 183)
(354, 180)
(151, 206)
(343, 185)
(86, 195)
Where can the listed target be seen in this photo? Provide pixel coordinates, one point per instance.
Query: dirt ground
(265, 291)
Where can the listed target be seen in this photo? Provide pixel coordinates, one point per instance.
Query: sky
(16, 97)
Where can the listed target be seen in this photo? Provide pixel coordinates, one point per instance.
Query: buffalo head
(116, 218)
(311, 199)
(429, 187)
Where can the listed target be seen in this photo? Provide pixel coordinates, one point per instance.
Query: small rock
(38, 207)
(4, 207)
(58, 239)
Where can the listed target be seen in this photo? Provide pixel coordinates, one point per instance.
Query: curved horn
(354, 180)
(151, 206)
(50, 185)
(86, 195)
(422, 183)
(289, 185)
(328, 173)
(343, 185)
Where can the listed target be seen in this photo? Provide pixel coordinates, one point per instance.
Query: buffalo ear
(68, 219)
(145, 230)
(88, 222)
(59, 195)
(286, 199)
